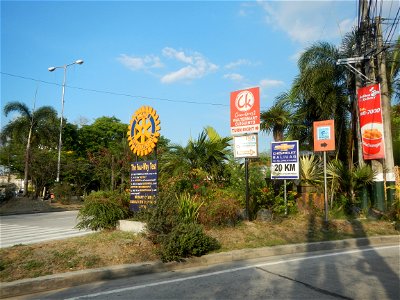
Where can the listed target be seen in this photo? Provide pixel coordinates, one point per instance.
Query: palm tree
(30, 127)
(206, 154)
(277, 118)
(319, 92)
(393, 69)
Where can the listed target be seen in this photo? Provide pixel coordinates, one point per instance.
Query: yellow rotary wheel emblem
(143, 131)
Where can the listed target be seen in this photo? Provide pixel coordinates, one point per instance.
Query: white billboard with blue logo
(285, 160)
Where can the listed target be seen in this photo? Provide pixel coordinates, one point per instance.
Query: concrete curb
(65, 280)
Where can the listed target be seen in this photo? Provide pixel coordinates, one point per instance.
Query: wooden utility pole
(389, 178)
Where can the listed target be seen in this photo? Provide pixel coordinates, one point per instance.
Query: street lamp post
(51, 69)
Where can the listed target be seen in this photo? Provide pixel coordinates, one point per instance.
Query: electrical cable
(117, 93)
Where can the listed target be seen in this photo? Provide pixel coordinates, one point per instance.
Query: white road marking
(231, 271)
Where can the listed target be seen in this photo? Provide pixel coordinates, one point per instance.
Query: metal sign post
(324, 140)
(246, 166)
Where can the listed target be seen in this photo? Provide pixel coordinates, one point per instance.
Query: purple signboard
(144, 177)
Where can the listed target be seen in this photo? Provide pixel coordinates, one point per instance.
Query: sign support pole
(246, 166)
(325, 190)
(284, 191)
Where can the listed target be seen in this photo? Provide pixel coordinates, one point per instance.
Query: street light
(51, 69)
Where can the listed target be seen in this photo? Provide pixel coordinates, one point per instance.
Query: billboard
(245, 111)
(324, 135)
(246, 146)
(144, 179)
(285, 160)
(371, 123)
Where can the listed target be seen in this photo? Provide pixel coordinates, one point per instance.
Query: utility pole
(367, 48)
(389, 179)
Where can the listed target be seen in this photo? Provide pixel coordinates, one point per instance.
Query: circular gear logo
(143, 131)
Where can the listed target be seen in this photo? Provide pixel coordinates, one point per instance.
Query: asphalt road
(39, 227)
(362, 273)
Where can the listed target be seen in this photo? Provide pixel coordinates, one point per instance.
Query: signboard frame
(144, 184)
(371, 122)
(324, 135)
(246, 146)
(245, 111)
(285, 160)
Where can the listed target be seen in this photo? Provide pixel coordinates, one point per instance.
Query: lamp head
(79, 61)
(51, 69)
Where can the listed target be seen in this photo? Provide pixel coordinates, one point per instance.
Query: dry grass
(114, 247)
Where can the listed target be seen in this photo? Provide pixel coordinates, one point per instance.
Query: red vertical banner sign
(245, 111)
(371, 123)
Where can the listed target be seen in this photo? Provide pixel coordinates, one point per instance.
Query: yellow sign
(284, 147)
(143, 131)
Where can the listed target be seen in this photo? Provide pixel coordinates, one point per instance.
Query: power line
(117, 93)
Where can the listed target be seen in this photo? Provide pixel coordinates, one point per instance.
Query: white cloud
(307, 21)
(234, 77)
(238, 63)
(270, 83)
(140, 63)
(196, 67)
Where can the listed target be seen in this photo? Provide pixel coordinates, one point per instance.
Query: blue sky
(183, 58)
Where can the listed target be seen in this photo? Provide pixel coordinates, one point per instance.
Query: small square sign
(323, 133)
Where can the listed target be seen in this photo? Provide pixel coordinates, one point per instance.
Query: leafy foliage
(311, 170)
(347, 180)
(220, 211)
(163, 217)
(188, 208)
(172, 224)
(102, 210)
(187, 239)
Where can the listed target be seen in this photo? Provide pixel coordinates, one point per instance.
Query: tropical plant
(102, 210)
(319, 93)
(349, 181)
(188, 208)
(277, 118)
(208, 153)
(35, 128)
(393, 70)
(311, 170)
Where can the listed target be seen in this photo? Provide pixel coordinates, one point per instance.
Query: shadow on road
(329, 277)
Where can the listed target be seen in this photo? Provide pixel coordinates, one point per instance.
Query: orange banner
(324, 135)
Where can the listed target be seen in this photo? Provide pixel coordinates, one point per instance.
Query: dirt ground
(23, 205)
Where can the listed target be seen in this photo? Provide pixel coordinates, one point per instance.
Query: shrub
(102, 210)
(163, 217)
(220, 212)
(7, 191)
(63, 192)
(187, 239)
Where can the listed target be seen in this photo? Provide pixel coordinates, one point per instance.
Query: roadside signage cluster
(246, 146)
(245, 111)
(285, 160)
(371, 122)
(144, 178)
(245, 125)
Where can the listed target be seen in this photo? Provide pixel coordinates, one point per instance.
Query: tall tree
(30, 128)
(320, 93)
(277, 118)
